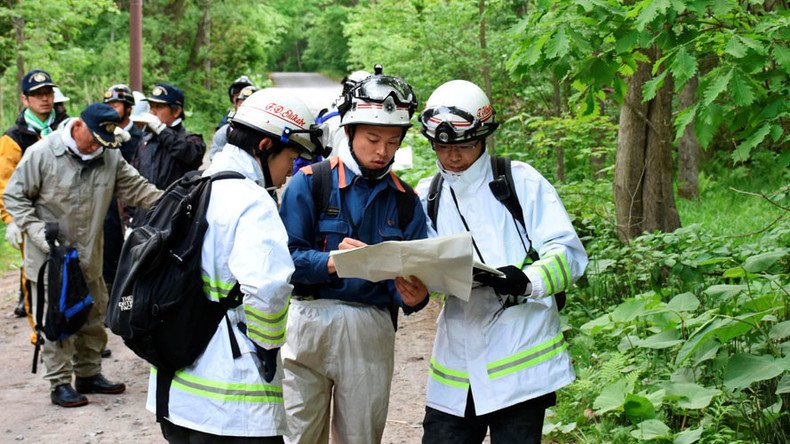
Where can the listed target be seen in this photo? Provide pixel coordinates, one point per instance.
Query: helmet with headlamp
(458, 112)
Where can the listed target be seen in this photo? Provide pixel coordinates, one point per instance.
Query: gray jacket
(51, 184)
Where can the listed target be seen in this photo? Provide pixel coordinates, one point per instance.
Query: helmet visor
(377, 88)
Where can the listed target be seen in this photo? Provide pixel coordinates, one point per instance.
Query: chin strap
(367, 173)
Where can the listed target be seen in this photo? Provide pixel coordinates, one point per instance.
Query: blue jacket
(368, 213)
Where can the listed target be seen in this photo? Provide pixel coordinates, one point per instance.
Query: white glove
(152, 121)
(13, 235)
(122, 135)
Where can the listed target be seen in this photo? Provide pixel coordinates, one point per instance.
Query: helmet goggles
(119, 93)
(315, 133)
(377, 89)
(454, 125)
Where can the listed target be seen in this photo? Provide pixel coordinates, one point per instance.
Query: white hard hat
(458, 111)
(379, 100)
(282, 116)
(59, 97)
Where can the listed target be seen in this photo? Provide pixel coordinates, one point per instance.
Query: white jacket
(245, 242)
(512, 355)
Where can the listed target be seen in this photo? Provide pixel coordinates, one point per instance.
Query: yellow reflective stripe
(527, 358)
(546, 275)
(216, 289)
(266, 336)
(554, 271)
(272, 319)
(265, 327)
(225, 391)
(447, 376)
(563, 272)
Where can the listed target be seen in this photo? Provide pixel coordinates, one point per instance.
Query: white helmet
(352, 79)
(59, 97)
(284, 117)
(379, 100)
(458, 111)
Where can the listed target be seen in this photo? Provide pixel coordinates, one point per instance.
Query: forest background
(664, 125)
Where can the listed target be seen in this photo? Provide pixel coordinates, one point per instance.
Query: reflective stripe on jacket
(245, 242)
(512, 355)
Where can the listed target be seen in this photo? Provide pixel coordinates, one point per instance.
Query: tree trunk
(19, 36)
(485, 71)
(688, 149)
(644, 198)
(201, 37)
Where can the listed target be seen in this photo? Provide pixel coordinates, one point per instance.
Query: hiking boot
(65, 396)
(106, 353)
(98, 384)
(20, 311)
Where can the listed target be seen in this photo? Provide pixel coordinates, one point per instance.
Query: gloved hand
(121, 134)
(39, 239)
(513, 283)
(13, 235)
(269, 359)
(152, 121)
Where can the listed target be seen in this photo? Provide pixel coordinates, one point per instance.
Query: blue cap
(34, 80)
(101, 120)
(165, 93)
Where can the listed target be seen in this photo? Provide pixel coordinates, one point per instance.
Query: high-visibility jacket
(245, 242)
(505, 356)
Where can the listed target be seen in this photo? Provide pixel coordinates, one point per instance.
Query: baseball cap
(34, 80)
(102, 119)
(165, 93)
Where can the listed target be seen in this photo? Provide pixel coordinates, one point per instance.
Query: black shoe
(65, 396)
(20, 311)
(106, 353)
(98, 384)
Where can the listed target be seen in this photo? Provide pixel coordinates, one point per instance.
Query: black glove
(513, 283)
(269, 359)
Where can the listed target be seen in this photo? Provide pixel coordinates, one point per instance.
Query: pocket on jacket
(332, 232)
(389, 233)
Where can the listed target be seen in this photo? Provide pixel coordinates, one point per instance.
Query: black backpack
(65, 294)
(157, 304)
(322, 192)
(504, 189)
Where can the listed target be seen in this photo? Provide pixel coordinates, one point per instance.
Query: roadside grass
(9, 257)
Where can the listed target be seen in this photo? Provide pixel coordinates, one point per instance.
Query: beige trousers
(337, 356)
(80, 353)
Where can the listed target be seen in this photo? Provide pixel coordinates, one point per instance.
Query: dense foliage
(677, 337)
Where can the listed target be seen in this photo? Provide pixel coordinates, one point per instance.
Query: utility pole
(136, 45)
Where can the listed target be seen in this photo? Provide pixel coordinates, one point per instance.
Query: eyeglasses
(462, 147)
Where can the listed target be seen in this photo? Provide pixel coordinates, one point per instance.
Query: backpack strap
(434, 193)
(322, 187)
(40, 302)
(404, 200)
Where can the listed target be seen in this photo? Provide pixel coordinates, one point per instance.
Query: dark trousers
(518, 424)
(175, 434)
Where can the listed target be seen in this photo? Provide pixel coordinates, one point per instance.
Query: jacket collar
(474, 176)
(346, 176)
(233, 158)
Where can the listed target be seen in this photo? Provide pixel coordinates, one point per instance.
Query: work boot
(20, 311)
(98, 384)
(65, 396)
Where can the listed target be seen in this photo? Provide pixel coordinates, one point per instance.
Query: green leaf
(742, 92)
(683, 67)
(784, 385)
(735, 48)
(612, 396)
(782, 57)
(684, 302)
(691, 396)
(665, 339)
(754, 44)
(724, 291)
(688, 436)
(652, 86)
(741, 154)
(629, 310)
(648, 14)
(626, 42)
(780, 331)
(558, 45)
(594, 326)
(651, 429)
(638, 408)
(743, 370)
(735, 272)
(683, 119)
(763, 262)
(716, 87)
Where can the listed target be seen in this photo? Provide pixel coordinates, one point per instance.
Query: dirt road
(27, 415)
